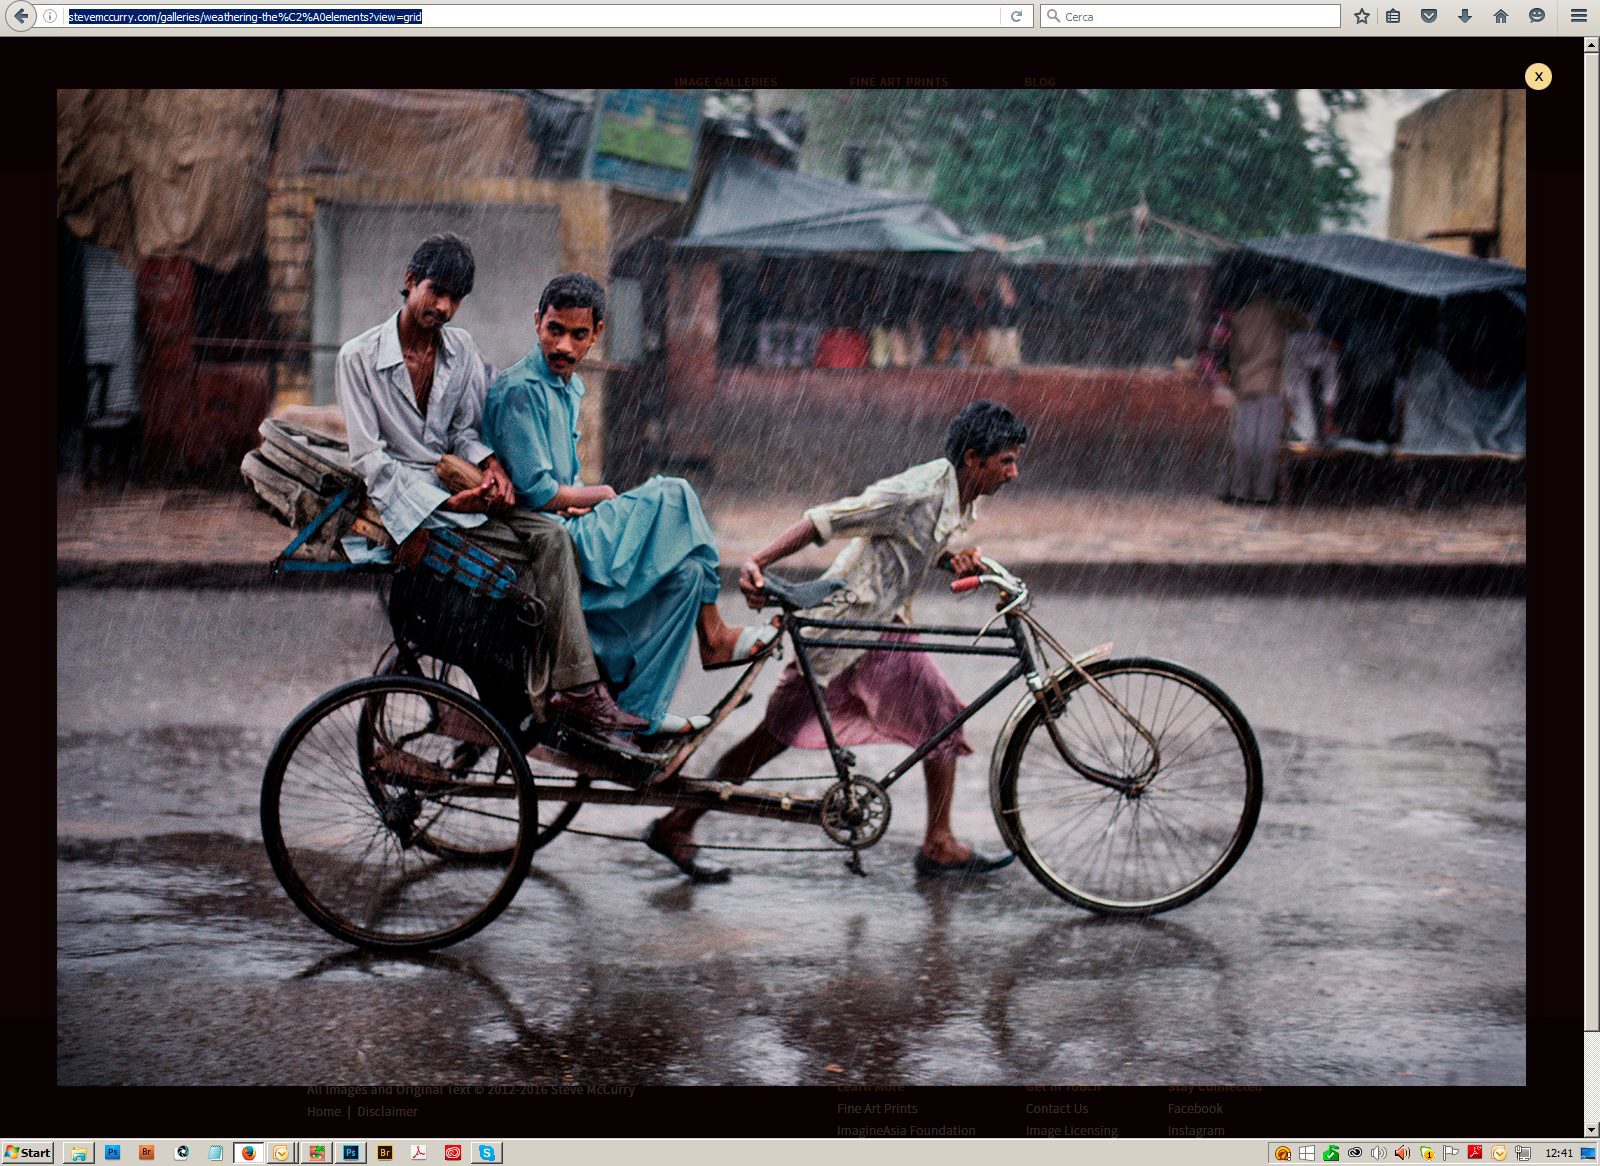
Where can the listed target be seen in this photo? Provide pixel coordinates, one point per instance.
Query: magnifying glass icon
(1050, 14)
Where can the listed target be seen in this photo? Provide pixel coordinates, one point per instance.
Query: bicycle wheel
(554, 815)
(1112, 824)
(349, 800)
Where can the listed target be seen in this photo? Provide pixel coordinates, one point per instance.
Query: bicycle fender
(1092, 660)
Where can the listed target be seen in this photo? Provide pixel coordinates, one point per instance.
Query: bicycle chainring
(855, 812)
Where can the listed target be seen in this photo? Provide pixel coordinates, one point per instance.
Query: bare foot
(716, 646)
(946, 849)
(681, 851)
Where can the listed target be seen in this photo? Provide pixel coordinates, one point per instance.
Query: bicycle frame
(737, 799)
(843, 759)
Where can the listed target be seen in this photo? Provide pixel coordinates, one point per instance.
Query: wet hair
(573, 290)
(446, 259)
(986, 428)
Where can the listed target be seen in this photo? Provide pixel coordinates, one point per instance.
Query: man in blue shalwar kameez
(647, 558)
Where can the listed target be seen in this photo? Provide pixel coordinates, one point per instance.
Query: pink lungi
(882, 698)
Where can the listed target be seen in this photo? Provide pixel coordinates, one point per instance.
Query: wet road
(1372, 933)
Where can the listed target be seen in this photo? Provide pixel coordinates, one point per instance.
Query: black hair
(986, 428)
(446, 259)
(573, 290)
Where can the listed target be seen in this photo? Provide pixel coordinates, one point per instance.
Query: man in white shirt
(411, 390)
(899, 529)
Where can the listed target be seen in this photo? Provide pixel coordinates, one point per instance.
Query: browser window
(822, 230)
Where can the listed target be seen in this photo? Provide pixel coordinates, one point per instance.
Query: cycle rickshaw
(401, 811)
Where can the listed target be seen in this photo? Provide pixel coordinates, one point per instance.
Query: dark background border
(1548, 1106)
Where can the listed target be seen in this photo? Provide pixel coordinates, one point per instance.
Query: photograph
(581, 590)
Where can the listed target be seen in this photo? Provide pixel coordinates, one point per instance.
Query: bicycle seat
(799, 596)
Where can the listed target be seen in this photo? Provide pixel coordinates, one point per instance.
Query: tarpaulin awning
(419, 133)
(1403, 267)
(183, 172)
(753, 207)
(1434, 339)
(165, 172)
(1474, 310)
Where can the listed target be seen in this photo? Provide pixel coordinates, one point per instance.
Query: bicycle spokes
(1053, 700)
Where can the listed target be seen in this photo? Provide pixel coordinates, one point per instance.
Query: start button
(31, 1152)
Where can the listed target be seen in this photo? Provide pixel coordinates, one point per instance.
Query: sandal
(752, 644)
(672, 725)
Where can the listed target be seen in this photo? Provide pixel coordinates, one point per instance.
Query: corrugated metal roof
(750, 206)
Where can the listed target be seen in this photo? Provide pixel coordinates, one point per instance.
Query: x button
(1538, 76)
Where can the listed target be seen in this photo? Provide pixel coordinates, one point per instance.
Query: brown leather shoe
(595, 707)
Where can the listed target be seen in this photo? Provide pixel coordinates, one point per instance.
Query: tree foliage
(1030, 162)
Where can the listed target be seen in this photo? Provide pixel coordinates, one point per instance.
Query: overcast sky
(1370, 134)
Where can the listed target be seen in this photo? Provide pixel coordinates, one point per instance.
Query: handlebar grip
(966, 583)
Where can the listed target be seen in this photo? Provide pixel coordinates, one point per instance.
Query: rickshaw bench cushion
(458, 603)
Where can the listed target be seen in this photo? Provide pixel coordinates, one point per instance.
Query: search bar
(1084, 16)
(610, 16)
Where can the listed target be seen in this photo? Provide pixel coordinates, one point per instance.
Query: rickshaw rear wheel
(554, 816)
(349, 806)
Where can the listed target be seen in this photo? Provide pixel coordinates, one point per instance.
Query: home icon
(1500, 16)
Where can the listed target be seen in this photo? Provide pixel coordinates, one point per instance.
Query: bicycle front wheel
(1121, 823)
(360, 790)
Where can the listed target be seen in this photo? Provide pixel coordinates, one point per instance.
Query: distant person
(1259, 336)
(1310, 384)
(411, 391)
(647, 558)
(899, 529)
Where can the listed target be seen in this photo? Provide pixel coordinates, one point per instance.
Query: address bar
(730, 15)
(220, 13)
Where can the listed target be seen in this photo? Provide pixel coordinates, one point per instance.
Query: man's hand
(571, 501)
(501, 493)
(965, 562)
(753, 584)
(473, 501)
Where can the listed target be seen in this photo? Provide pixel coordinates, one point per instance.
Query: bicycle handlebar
(994, 573)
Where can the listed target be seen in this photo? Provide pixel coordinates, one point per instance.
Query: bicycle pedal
(635, 765)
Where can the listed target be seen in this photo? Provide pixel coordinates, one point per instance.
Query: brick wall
(825, 433)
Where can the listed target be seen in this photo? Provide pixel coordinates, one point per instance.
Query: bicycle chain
(708, 845)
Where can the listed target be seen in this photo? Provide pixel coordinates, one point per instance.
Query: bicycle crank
(854, 812)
